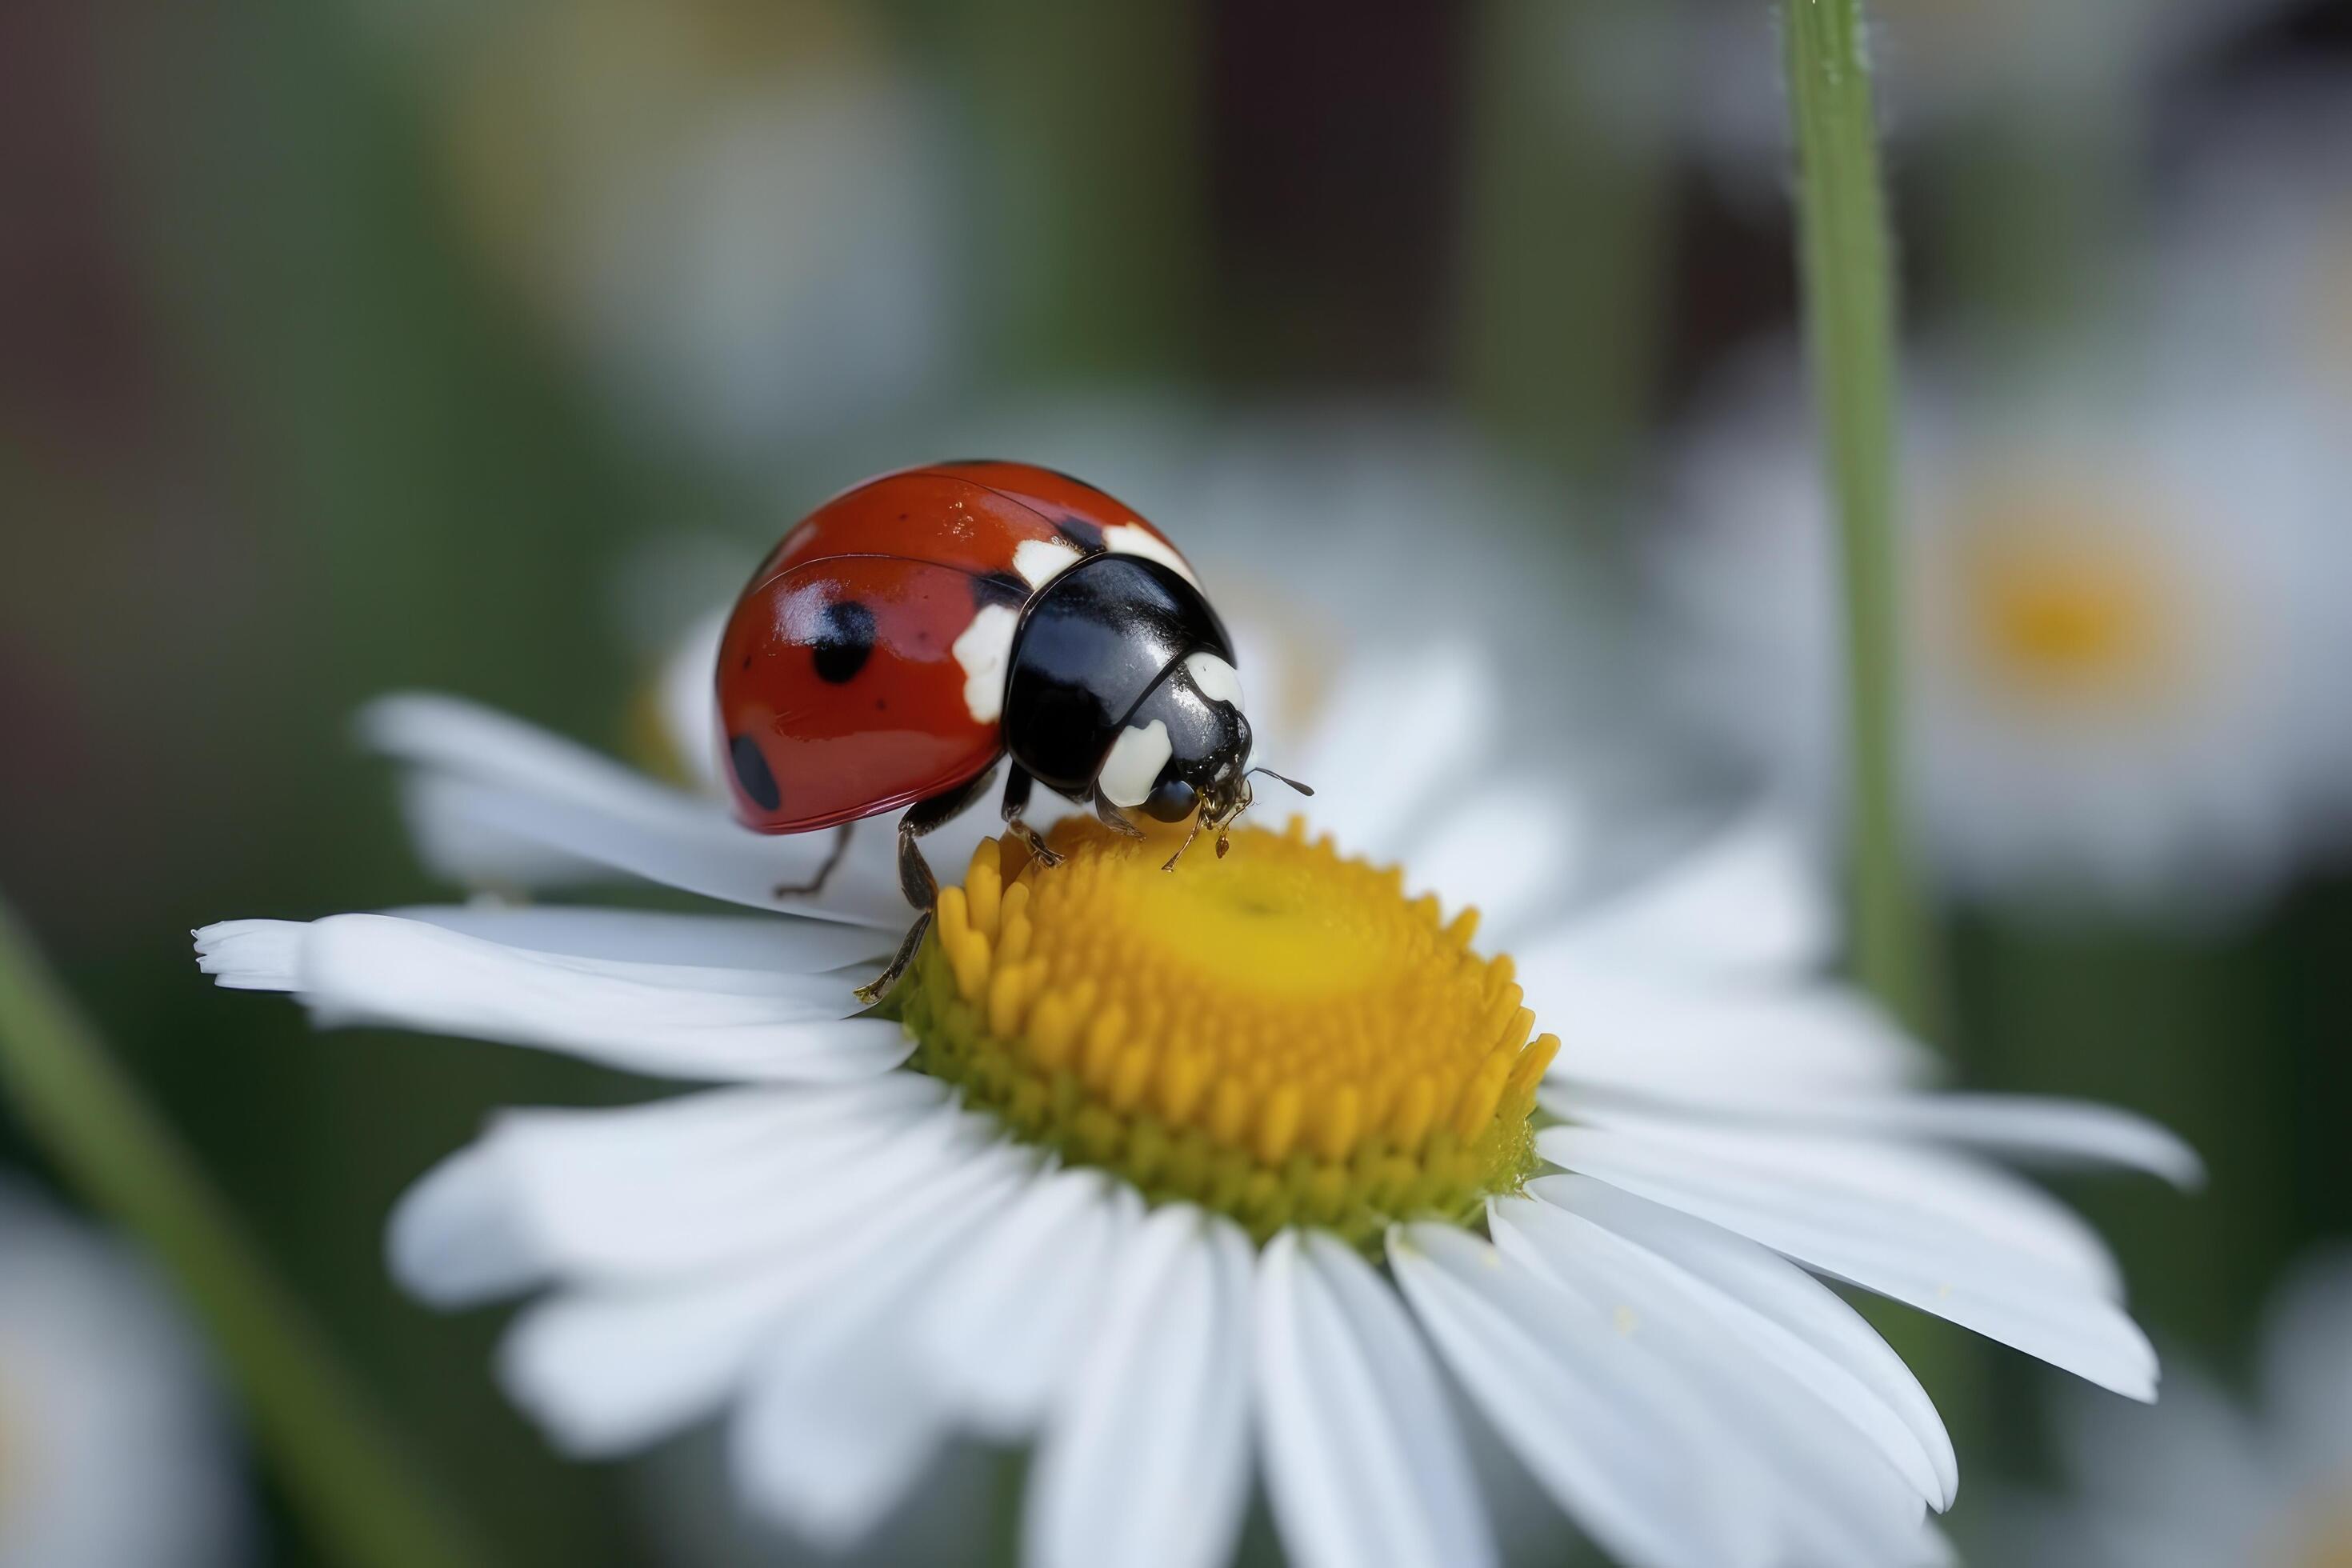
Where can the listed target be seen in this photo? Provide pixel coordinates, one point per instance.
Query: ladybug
(914, 631)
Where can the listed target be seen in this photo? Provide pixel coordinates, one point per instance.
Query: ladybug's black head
(1187, 743)
(1184, 752)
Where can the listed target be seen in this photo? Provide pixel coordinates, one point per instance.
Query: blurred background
(359, 345)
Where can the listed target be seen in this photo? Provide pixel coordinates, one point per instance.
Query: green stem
(1011, 1490)
(1849, 293)
(1846, 259)
(338, 1461)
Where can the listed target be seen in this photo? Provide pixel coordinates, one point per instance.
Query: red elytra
(841, 691)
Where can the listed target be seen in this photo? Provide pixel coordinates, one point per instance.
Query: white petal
(457, 1236)
(482, 836)
(1003, 1329)
(494, 798)
(1147, 1464)
(1873, 1186)
(1396, 730)
(1362, 1459)
(673, 1020)
(1746, 902)
(687, 693)
(1778, 1312)
(252, 956)
(838, 1421)
(720, 942)
(1829, 1495)
(1898, 1223)
(1727, 1045)
(1616, 1442)
(1506, 848)
(609, 1371)
(2053, 1133)
(655, 1190)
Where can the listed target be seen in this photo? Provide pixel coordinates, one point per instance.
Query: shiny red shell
(841, 694)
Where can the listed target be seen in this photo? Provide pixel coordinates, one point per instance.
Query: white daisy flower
(2126, 606)
(2206, 1479)
(113, 1449)
(1258, 1174)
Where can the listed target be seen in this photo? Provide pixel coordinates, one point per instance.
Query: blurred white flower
(1208, 1207)
(742, 216)
(114, 1452)
(2125, 605)
(2205, 1480)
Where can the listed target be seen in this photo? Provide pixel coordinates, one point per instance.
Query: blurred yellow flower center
(2329, 1545)
(1281, 1035)
(2061, 606)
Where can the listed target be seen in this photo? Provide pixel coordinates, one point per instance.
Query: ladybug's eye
(1172, 800)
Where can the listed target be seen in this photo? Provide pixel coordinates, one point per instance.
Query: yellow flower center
(1280, 1035)
(2066, 609)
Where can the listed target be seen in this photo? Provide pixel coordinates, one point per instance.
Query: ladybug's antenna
(1293, 782)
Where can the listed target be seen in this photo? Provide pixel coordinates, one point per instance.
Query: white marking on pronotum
(1040, 561)
(1134, 763)
(1134, 538)
(985, 650)
(1218, 682)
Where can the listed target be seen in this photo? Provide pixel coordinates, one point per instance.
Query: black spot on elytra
(747, 661)
(1084, 537)
(844, 641)
(999, 588)
(751, 773)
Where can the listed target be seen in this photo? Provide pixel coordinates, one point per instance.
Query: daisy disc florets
(1280, 1035)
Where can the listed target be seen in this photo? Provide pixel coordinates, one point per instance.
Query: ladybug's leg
(915, 878)
(874, 989)
(1017, 801)
(815, 885)
(1113, 818)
